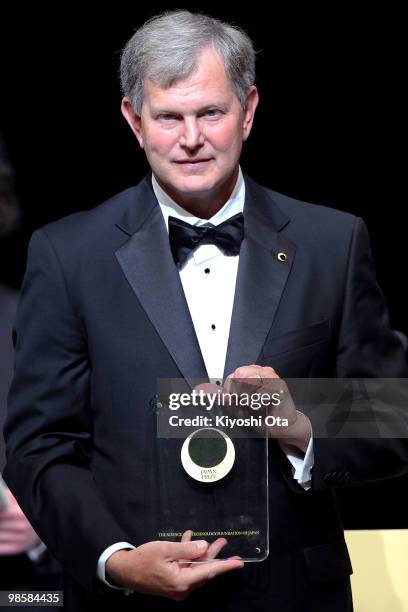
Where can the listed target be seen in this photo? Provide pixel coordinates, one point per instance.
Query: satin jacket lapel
(261, 277)
(148, 265)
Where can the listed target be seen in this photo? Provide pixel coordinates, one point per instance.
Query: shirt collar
(233, 206)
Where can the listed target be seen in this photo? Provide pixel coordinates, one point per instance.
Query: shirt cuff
(101, 567)
(302, 468)
(36, 552)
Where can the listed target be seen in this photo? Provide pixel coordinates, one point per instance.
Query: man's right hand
(16, 534)
(154, 568)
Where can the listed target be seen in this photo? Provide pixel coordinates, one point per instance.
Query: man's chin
(194, 187)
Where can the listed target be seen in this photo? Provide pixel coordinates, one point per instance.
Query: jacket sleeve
(367, 348)
(48, 429)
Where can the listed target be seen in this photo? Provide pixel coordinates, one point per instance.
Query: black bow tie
(184, 238)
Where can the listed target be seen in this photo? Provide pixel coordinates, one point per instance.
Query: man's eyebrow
(180, 111)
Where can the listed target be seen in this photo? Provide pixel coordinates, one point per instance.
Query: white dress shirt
(208, 278)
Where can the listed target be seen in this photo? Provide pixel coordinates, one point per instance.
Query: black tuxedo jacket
(103, 315)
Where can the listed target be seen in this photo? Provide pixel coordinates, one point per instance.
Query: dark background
(328, 130)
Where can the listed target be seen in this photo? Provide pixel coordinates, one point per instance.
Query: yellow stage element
(380, 565)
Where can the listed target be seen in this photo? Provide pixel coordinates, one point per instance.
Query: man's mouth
(192, 161)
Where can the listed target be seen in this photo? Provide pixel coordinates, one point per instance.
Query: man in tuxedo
(169, 279)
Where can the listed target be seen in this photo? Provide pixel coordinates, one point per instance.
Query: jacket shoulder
(317, 214)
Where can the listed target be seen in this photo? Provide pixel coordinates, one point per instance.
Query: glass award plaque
(212, 480)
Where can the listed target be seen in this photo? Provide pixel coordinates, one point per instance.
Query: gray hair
(166, 49)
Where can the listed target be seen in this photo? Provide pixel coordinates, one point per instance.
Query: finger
(10, 549)
(214, 548)
(249, 371)
(210, 388)
(227, 386)
(15, 527)
(243, 380)
(212, 551)
(187, 535)
(10, 538)
(255, 371)
(201, 573)
(175, 551)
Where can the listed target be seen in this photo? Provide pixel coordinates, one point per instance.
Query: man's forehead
(208, 74)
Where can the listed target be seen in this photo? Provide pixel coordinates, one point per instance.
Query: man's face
(192, 132)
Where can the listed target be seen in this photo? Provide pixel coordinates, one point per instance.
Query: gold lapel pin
(282, 256)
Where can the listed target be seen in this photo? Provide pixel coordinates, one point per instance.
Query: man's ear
(133, 119)
(249, 111)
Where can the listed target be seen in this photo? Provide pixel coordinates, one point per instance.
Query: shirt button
(207, 270)
(213, 326)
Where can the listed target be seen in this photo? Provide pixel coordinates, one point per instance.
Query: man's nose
(191, 136)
